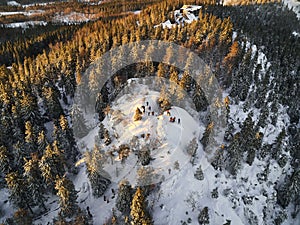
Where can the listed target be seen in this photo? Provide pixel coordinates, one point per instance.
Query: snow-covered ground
(168, 143)
(13, 3)
(186, 14)
(25, 13)
(72, 18)
(60, 17)
(24, 25)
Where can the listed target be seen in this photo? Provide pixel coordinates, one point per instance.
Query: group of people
(148, 107)
(106, 199)
(172, 119)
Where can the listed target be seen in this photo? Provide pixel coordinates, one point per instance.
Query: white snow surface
(24, 25)
(186, 14)
(25, 13)
(71, 18)
(13, 3)
(181, 196)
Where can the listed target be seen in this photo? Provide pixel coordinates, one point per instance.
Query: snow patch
(186, 14)
(13, 3)
(24, 25)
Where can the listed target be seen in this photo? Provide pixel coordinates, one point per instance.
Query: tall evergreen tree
(52, 163)
(67, 196)
(97, 176)
(18, 188)
(138, 213)
(78, 122)
(5, 160)
(125, 194)
(34, 178)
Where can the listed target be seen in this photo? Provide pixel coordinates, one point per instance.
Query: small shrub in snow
(215, 193)
(137, 115)
(176, 165)
(107, 139)
(199, 173)
(144, 156)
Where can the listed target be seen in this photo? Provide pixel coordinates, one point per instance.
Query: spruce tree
(199, 173)
(52, 163)
(67, 196)
(138, 213)
(42, 143)
(22, 217)
(18, 188)
(78, 122)
(65, 139)
(97, 176)
(124, 197)
(35, 182)
(5, 166)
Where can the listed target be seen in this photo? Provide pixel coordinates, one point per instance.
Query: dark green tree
(18, 188)
(125, 194)
(34, 178)
(67, 196)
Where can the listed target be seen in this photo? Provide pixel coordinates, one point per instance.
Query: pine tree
(173, 80)
(101, 103)
(22, 217)
(101, 131)
(79, 123)
(31, 132)
(67, 196)
(29, 108)
(19, 194)
(138, 212)
(218, 159)
(164, 99)
(144, 155)
(52, 163)
(51, 101)
(234, 157)
(206, 136)
(124, 197)
(97, 176)
(33, 177)
(161, 73)
(192, 149)
(199, 173)
(42, 143)
(65, 139)
(186, 82)
(199, 100)
(5, 165)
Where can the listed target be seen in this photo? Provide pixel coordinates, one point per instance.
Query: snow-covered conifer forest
(92, 133)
